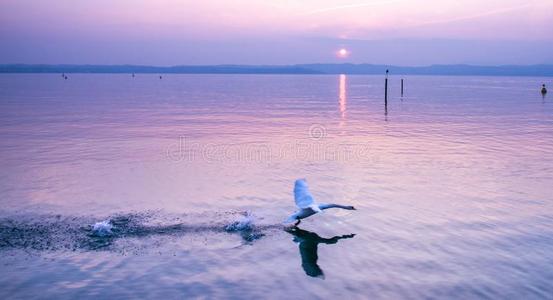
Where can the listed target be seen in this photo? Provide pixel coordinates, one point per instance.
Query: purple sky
(175, 32)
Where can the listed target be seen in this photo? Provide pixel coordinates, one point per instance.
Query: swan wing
(302, 196)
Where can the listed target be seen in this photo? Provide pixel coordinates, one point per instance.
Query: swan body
(307, 204)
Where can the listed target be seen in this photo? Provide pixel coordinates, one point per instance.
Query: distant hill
(533, 70)
(218, 69)
(508, 70)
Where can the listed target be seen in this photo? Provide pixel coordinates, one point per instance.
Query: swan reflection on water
(308, 244)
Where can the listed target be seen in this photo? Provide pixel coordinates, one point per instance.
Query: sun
(343, 53)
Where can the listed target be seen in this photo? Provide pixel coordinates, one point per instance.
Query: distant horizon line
(312, 68)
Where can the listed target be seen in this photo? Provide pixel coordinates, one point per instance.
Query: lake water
(452, 183)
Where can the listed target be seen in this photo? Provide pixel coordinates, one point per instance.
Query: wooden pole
(386, 90)
(401, 87)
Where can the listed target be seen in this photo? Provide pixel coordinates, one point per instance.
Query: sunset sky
(174, 32)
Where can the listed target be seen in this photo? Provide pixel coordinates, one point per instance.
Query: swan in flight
(307, 205)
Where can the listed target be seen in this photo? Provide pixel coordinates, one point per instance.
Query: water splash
(59, 233)
(245, 226)
(245, 222)
(102, 228)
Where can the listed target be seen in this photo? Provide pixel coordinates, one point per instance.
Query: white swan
(307, 205)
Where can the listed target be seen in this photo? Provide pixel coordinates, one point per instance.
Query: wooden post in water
(401, 87)
(386, 90)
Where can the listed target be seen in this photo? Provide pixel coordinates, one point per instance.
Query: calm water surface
(452, 182)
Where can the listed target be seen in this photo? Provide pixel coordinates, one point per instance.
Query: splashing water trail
(120, 231)
(244, 222)
(245, 226)
(102, 228)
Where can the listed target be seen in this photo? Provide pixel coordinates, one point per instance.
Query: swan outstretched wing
(303, 197)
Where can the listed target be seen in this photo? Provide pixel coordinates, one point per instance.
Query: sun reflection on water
(342, 100)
